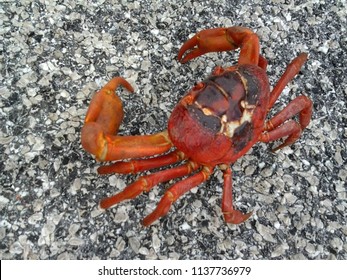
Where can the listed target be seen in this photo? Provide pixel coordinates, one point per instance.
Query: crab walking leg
(262, 62)
(277, 128)
(301, 105)
(230, 214)
(290, 129)
(135, 166)
(222, 39)
(147, 182)
(291, 71)
(102, 121)
(175, 192)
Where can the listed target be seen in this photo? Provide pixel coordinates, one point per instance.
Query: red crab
(213, 125)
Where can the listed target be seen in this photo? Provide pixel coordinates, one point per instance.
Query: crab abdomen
(221, 118)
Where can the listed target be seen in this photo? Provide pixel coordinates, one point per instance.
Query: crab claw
(189, 45)
(223, 39)
(210, 40)
(103, 119)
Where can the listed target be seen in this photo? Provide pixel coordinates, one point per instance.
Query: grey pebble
(134, 244)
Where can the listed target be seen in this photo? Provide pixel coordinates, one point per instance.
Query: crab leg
(139, 165)
(147, 182)
(222, 39)
(277, 128)
(290, 129)
(301, 105)
(230, 214)
(102, 121)
(175, 192)
(262, 62)
(291, 71)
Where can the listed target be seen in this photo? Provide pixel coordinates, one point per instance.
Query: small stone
(75, 241)
(143, 251)
(342, 174)
(120, 244)
(113, 179)
(74, 228)
(185, 226)
(151, 255)
(156, 242)
(266, 232)
(76, 186)
(48, 228)
(114, 253)
(336, 243)
(65, 94)
(340, 187)
(3, 200)
(197, 204)
(249, 170)
(2, 233)
(54, 192)
(267, 172)
(16, 248)
(170, 240)
(56, 218)
(145, 65)
(121, 215)
(93, 237)
(174, 256)
(134, 244)
(5, 140)
(288, 180)
(290, 198)
(64, 256)
(37, 205)
(299, 256)
(38, 145)
(277, 225)
(310, 248)
(96, 212)
(33, 219)
(280, 250)
(327, 203)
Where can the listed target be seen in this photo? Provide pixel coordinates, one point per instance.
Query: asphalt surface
(56, 54)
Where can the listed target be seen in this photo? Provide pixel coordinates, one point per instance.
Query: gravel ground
(56, 54)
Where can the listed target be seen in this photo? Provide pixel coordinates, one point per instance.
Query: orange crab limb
(102, 121)
(301, 105)
(230, 214)
(291, 71)
(124, 147)
(290, 129)
(222, 39)
(277, 128)
(147, 182)
(139, 165)
(262, 62)
(175, 192)
(106, 108)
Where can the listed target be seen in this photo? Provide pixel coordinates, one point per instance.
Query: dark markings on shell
(225, 104)
(210, 122)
